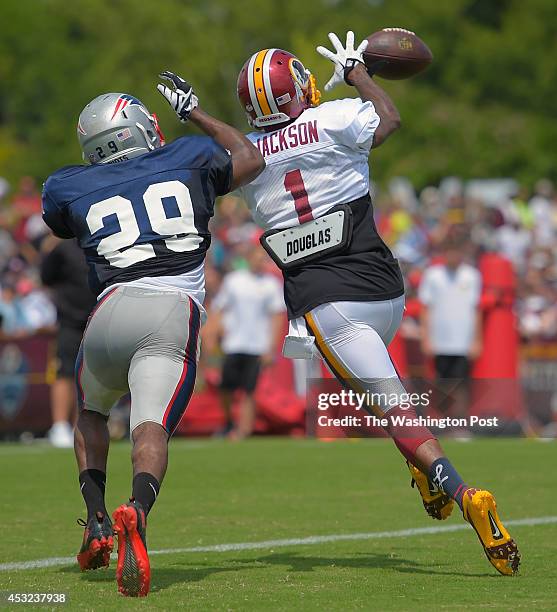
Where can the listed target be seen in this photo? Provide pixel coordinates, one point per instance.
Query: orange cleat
(133, 572)
(98, 543)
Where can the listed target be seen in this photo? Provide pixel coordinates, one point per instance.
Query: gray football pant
(143, 341)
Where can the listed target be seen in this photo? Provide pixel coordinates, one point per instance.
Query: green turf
(263, 489)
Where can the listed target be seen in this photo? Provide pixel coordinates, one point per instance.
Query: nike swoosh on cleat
(495, 531)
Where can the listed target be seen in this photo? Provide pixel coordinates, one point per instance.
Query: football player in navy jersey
(140, 211)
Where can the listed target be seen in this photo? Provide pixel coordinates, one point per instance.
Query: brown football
(405, 53)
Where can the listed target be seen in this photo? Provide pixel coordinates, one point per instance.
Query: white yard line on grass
(318, 539)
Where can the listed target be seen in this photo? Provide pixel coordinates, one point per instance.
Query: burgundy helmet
(274, 87)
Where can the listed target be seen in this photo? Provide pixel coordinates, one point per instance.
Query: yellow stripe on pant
(341, 373)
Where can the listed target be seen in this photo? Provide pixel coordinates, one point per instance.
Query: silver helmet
(114, 127)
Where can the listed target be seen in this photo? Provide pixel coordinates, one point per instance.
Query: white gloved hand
(181, 98)
(344, 58)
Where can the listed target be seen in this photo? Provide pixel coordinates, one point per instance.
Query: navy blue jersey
(147, 216)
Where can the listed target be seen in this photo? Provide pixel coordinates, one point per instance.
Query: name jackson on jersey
(295, 135)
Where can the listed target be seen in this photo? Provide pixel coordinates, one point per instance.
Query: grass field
(275, 489)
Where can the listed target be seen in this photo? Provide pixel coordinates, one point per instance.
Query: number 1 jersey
(316, 162)
(144, 217)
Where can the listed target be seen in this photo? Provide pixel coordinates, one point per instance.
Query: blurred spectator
(451, 321)
(27, 200)
(543, 211)
(64, 270)
(39, 311)
(26, 203)
(4, 189)
(513, 241)
(249, 309)
(24, 309)
(12, 314)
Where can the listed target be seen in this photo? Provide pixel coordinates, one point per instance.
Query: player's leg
(228, 384)
(95, 399)
(352, 338)
(251, 366)
(62, 399)
(161, 379)
(246, 420)
(62, 391)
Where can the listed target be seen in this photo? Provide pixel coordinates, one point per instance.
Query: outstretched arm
(247, 161)
(351, 69)
(369, 90)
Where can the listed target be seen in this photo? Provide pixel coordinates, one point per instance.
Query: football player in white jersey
(343, 288)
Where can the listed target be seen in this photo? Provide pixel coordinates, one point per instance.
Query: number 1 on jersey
(294, 183)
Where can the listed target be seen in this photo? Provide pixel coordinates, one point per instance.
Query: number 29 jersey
(316, 162)
(144, 217)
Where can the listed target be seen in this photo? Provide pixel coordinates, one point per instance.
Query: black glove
(181, 97)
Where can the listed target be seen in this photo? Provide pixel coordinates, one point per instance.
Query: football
(406, 54)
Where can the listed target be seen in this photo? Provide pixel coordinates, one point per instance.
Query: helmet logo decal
(299, 73)
(80, 128)
(123, 101)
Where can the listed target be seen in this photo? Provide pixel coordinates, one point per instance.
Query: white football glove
(181, 97)
(344, 59)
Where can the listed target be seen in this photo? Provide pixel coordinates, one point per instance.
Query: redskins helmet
(274, 87)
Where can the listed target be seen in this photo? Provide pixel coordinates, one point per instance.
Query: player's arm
(247, 161)
(350, 68)
(384, 106)
(277, 335)
(426, 298)
(425, 341)
(54, 216)
(51, 264)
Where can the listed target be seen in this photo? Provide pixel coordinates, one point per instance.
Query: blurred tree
(484, 108)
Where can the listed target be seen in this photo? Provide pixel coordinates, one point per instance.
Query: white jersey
(451, 296)
(247, 302)
(314, 163)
